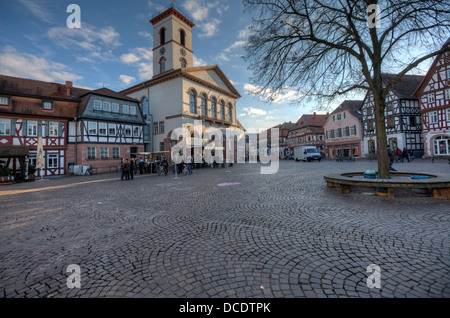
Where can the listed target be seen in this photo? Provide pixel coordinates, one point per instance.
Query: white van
(307, 153)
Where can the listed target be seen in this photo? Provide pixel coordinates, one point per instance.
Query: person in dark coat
(405, 155)
(126, 169)
(391, 158)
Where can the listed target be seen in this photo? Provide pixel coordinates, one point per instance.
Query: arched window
(204, 105)
(183, 63)
(213, 108)
(230, 117)
(193, 101)
(162, 36)
(222, 110)
(182, 38)
(162, 65)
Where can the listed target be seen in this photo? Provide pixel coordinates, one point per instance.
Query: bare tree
(326, 49)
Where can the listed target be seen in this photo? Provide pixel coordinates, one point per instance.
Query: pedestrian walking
(405, 155)
(189, 164)
(398, 156)
(391, 158)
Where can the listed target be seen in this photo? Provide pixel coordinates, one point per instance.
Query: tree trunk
(380, 125)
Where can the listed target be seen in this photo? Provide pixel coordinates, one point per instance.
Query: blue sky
(113, 48)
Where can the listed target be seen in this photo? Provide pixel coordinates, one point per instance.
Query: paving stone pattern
(282, 235)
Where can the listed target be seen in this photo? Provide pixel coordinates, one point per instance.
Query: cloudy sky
(113, 47)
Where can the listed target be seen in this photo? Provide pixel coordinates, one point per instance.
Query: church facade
(180, 94)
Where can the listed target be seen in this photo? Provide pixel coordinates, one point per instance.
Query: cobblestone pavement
(223, 233)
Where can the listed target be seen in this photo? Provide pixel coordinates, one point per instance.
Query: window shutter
(24, 128)
(13, 127)
(47, 129)
(60, 129)
(39, 128)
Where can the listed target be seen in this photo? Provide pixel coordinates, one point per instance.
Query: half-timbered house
(434, 99)
(31, 109)
(108, 126)
(403, 122)
(308, 131)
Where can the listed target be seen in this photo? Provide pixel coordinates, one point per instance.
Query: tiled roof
(352, 106)
(28, 96)
(32, 88)
(406, 86)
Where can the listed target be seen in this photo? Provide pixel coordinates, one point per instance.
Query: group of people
(399, 155)
(127, 169)
(130, 167)
(405, 154)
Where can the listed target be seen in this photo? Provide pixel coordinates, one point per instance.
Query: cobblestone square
(223, 233)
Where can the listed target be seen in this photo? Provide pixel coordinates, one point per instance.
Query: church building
(180, 93)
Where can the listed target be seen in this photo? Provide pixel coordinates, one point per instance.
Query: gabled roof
(352, 106)
(431, 70)
(104, 92)
(215, 68)
(406, 86)
(311, 120)
(108, 93)
(33, 88)
(33, 93)
(65, 98)
(286, 126)
(189, 73)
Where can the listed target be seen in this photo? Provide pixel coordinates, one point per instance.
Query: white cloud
(39, 10)
(130, 58)
(142, 59)
(199, 62)
(245, 33)
(268, 95)
(95, 43)
(227, 54)
(146, 35)
(235, 45)
(205, 14)
(253, 112)
(209, 29)
(26, 65)
(127, 80)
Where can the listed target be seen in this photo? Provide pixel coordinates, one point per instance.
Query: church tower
(172, 42)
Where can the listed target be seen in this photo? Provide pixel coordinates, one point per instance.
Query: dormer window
(4, 101)
(47, 105)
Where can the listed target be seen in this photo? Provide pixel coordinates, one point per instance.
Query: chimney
(69, 86)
